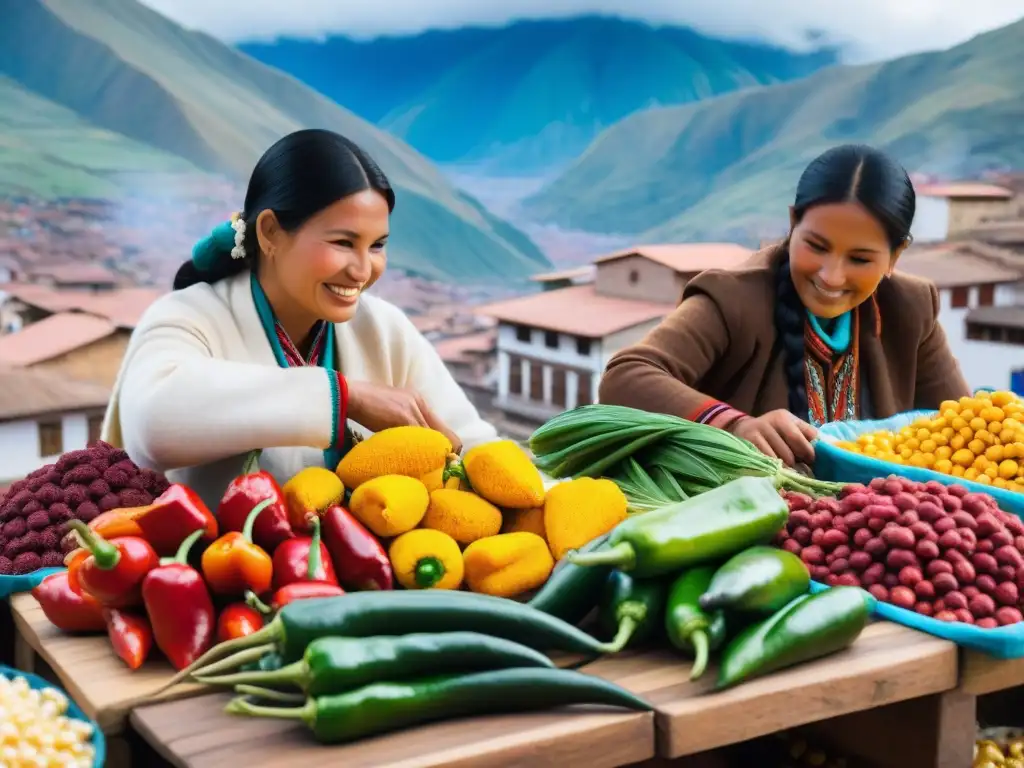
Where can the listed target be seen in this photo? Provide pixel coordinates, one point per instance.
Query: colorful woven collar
(321, 351)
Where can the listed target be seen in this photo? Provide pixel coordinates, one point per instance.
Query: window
(515, 375)
(959, 299)
(583, 389)
(634, 277)
(95, 426)
(537, 382)
(523, 334)
(986, 295)
(51, 438)
(551, 340)
(582, 346)
(558, 387)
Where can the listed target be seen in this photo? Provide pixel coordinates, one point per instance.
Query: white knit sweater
(199, 387)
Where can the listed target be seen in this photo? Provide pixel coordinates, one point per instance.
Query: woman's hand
(378, 407)
(779, 434)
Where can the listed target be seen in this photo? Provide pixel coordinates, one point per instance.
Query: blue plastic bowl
(11, 585)
(835, 463)
(99, 743)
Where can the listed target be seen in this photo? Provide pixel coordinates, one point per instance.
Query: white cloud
(873, 29)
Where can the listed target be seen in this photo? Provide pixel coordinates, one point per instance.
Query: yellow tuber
(578, 511)
(411, 451)
(312, 490)
(426, 559)
(529, 520)
(502, 473)
(462, 515)
(434, 480)
(390, 505)
(508, 564)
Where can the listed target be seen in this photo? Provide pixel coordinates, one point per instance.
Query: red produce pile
(81, 484)
(939, 550)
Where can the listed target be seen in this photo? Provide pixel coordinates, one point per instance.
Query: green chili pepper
(366, 614)
(690, 628)
(631, 609)
(809, 627)
(702, 529)
(266, 663)
(338, 664)
(572, 591)
(757, 580)
(385, 707)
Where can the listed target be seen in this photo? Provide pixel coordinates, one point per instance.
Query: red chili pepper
(179, 607)
(359, 559)
(172, 516)
(245, 492)
(68, 610)
(238, 620)
(113, 571)
(304, 558)
(233, 564)
(131, 636)
(299, 590)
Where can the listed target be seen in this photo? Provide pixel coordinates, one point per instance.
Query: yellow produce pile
(999, 748)
(977, 438)
(483, 522)
(35, 728)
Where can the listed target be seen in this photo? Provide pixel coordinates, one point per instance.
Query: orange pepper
(117, 522)
(233, 564)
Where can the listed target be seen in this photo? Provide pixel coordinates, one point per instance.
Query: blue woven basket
(834, 463)
(99, 743)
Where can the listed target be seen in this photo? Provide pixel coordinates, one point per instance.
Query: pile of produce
(977, 438)
(654, 458)
(79, 486)
(935, 549)
(999, 748)
(35, 728)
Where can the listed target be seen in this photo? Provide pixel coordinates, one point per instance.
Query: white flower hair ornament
(238, 225)
(228, 236)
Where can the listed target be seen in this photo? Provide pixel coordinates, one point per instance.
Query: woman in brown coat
(819, 328)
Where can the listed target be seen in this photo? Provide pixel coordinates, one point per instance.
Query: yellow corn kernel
(578, 511)
(508, 564)
(390, 505)
(411, 451)
(462, 515)
(426, 559)
(502, 473)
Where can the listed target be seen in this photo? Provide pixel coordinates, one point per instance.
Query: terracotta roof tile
(689, 258)
(76, 273)
(964, 190)
(456, 348)
(574, 273)
(578, 310)
(27, 392)
(949, 265)
(1005, 317)
(122, 306)
(52, 336)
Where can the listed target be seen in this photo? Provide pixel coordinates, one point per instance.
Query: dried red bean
(924, 590)
(833, 539)
(986, 584)
(1006, 616)
(847, 580)
(876, 548)
(902, 596)
(945, 616)
(799, 517)
(962, 614)
(935, 567)
(855, 520)
(798, 501)
(802, 535)
(813, 555)
(955, 600)
(986, 524)
(944, 582)
(1007, 593)
(891, 486)
(839, 566)
(900, 558)
(927, 550)
(925, 609)
(1006, 573)
(985, 546)
(859, 561)
(981, 606)
(1009, 555)
(817, 534)
(928, 512)
(819, 572)
(876, 524)
(986, 623)
(970, 590)
(875, 573)
(898, 538)
(792, 545)
(854, 502)
(949, 540)
(879, 592)
(861, 537)
(964, 573)
(891, 580)
(943, 524)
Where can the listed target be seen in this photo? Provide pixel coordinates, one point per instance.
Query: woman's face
(319, 271)
(838, 254)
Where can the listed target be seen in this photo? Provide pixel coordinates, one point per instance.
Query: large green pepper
(338, 664)
(690, 628)
(572, 591)
(757, 580)
(809, 627)
(702, 529)
(631, 609)
(384, 707)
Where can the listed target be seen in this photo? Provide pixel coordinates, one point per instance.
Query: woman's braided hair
(848, 173)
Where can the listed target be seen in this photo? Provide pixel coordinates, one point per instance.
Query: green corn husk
(656, 459)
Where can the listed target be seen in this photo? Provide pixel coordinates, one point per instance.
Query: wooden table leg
(929, 732)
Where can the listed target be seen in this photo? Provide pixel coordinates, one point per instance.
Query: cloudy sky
(872, 29)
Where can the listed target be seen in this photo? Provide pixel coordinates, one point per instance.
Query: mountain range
(727, 167)
(529, 96)
(98, 96)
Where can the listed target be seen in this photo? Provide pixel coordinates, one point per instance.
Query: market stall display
(999, 748)
(40, 725)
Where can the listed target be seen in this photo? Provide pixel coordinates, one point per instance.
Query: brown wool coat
(721, 344)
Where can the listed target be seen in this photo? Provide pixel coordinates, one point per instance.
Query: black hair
(300, 175)
(849, 173)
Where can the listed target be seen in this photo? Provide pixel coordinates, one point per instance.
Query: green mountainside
(532, 94)
(727, 167)
(120, 88)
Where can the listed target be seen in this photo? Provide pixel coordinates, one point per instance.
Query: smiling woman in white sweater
(269, 341)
